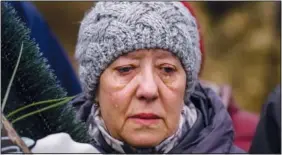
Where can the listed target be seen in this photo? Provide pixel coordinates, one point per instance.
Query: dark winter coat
(244, 122)
(211, 133)
(268, 133)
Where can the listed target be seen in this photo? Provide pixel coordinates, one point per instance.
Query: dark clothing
(211, 133)
(268, 133)
(48, 45)
(244, 122)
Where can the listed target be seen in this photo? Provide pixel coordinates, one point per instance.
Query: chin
(144, 139)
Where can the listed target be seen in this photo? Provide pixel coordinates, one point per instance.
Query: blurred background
(242, 43)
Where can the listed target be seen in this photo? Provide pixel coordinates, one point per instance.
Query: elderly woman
(138, 65)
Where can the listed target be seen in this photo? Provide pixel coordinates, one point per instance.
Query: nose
(147, 90)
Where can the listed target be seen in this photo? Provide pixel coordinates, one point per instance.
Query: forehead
(158, 53)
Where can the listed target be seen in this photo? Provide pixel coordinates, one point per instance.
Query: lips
(146, 116)
(146, 119)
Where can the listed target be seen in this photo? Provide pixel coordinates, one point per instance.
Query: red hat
(188, 6)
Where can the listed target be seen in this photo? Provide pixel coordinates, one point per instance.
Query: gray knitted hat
(111, 29)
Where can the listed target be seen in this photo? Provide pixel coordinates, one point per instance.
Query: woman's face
(141, 97)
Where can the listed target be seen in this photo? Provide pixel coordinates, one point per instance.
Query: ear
(96, 99)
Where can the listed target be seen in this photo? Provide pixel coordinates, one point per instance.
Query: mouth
(145, 118)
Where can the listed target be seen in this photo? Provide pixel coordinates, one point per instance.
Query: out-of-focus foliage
(242, 42)
(242, 47)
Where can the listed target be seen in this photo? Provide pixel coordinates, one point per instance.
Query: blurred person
(49, 45)
(244, 122)
(267, 138)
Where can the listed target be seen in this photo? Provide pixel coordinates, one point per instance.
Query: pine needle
(12, 79)
(41, 110)
(35, 104)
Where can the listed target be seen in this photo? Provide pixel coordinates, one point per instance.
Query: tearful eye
(167, 72)
(168, 69)
(125, 69)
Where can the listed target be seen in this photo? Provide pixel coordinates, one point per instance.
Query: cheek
(114, 98)
(173, 93)
(115, 92)
(113, 106)
(173, 104)
(172, 97)
(173, 107)
(112, 102)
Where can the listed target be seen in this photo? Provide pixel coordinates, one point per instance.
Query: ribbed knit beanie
(202, 49)
(111, 29)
